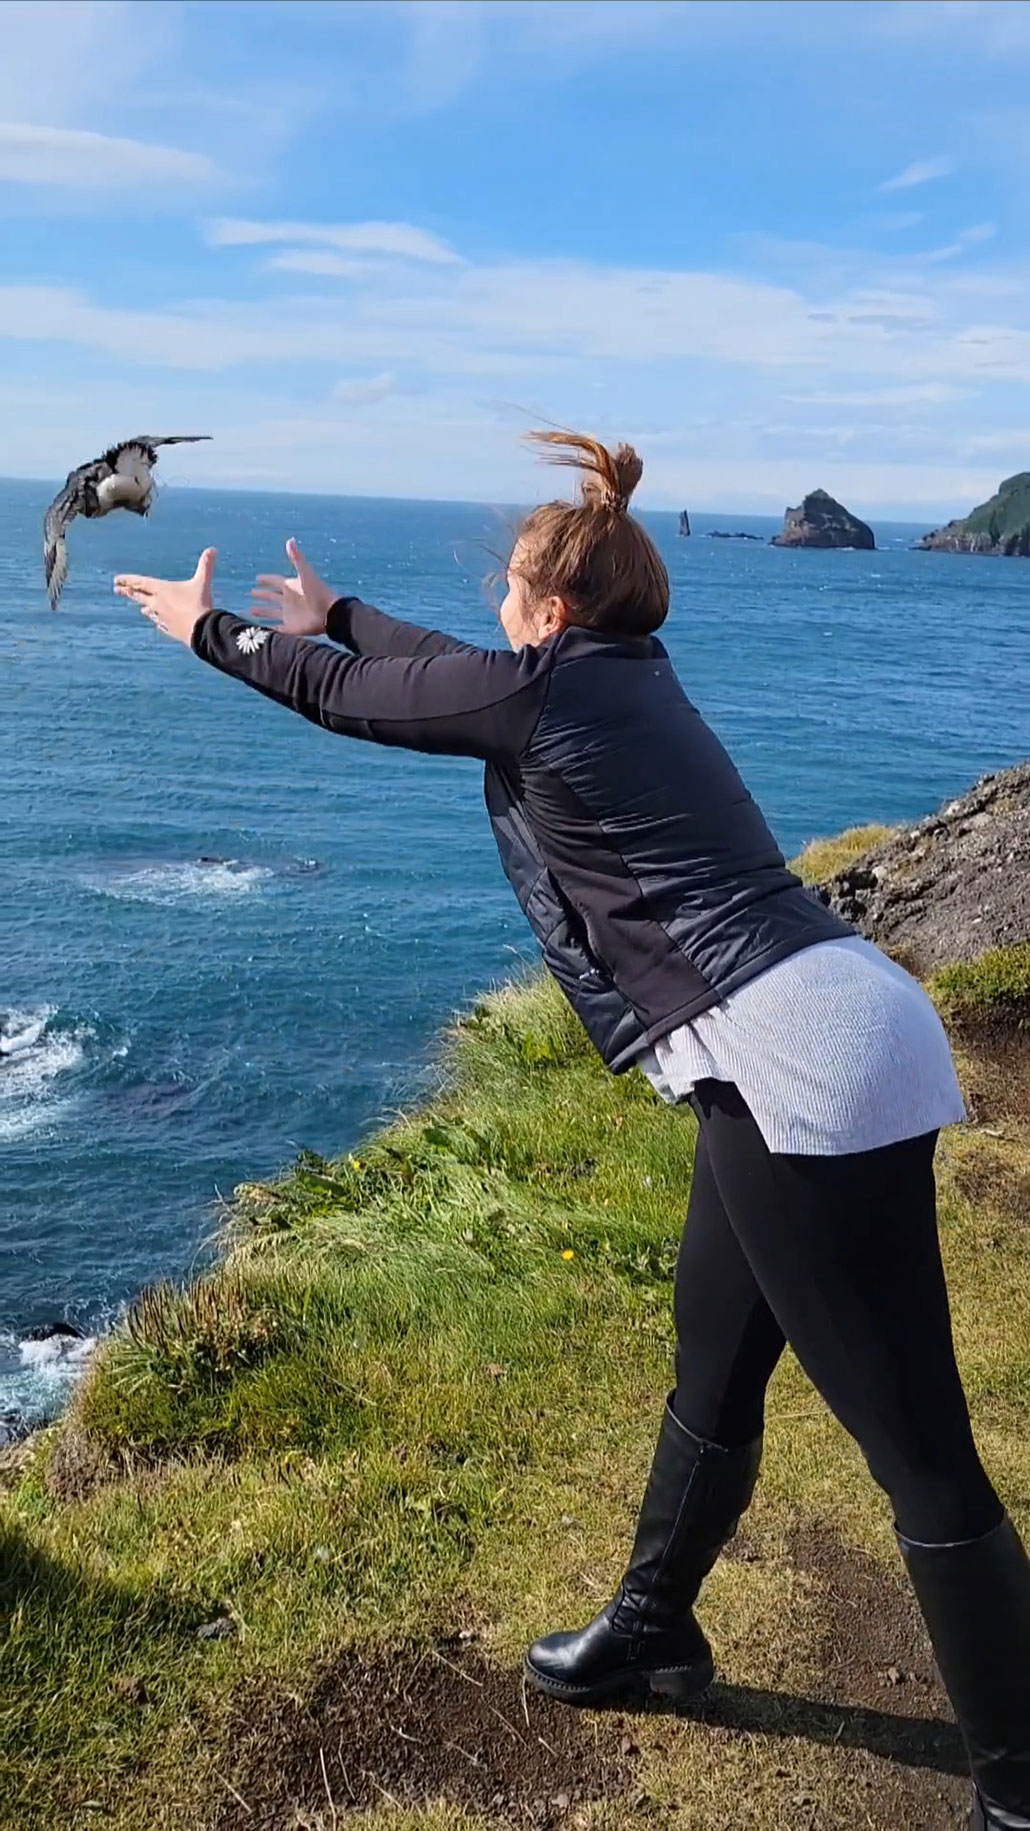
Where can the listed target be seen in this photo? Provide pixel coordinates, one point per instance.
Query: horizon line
(472, 502)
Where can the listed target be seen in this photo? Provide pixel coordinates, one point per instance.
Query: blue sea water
(174, 1027)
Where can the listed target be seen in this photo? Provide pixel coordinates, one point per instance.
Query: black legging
(838, 1256)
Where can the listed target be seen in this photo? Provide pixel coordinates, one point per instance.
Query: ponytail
(592, 554)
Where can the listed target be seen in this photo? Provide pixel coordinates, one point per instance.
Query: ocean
(229, 936)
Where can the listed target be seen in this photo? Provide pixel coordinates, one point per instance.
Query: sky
(777, 244)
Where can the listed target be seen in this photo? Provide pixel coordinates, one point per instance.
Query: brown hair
(591, 553)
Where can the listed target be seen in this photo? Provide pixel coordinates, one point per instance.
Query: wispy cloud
(893, 222)
(93, 161)
(373, 388)
(921, 171)
(62, 58)
(570, 317)
(318, 261)
(401, 239)
(1014, 439)
(445, 51)
(929, 393)
(964, 240)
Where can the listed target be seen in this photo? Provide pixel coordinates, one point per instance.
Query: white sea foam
(36, 1377)
(31, 1058)
(58, 1354)
(184, 882)
(20, 1029)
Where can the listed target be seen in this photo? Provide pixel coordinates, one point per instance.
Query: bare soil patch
(871, 1695)
(443, 1723)
(420, 1725)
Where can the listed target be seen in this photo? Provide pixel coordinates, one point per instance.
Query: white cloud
(974, 28)
(930, 393)
(1015, 439)
(890, 488)
(445, 50)
(61, 58)
(707, 357)
(400, 239)
(93, 161)
(374, 388)
(920, 172)
(320, 262)
(892, 222)
(964, 240)
(550, 317)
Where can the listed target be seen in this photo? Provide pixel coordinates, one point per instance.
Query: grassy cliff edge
(400, 1428)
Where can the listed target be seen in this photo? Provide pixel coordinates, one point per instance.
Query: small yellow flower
(356, 1163)
(568, 1253)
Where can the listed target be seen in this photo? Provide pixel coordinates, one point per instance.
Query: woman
(818, 1071)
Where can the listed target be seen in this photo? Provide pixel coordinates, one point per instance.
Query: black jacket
(646, 870)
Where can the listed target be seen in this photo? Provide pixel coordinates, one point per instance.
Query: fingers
(269, 591)
(304, 569)
(141, 595)
(273, 580)
(206, 568)
(129, 585)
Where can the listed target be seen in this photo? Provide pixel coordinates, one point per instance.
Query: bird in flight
(121, 479)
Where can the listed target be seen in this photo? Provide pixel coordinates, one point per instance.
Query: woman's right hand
(299, 605)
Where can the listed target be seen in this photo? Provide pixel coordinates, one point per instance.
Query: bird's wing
(173, 438)
(62, 510)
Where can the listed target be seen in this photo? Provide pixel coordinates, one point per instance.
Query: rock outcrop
(823, 522)
(684, 527)
(1000, 526)
(725, 534)
(952, 887)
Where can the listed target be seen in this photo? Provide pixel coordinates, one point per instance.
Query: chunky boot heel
(683, 1685)
(647, 1641)
(975, 1598)
(600, 1663)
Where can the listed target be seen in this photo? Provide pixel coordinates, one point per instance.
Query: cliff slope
(1000, 526)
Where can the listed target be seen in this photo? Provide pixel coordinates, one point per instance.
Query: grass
(416, 1399)
(823, 858)
(992, 992)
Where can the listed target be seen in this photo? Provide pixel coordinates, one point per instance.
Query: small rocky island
(823, 522)
(725, 534)
(1000, 526)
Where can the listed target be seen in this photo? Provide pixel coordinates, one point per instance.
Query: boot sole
(679, 1685)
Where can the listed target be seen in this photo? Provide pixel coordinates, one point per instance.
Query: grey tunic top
(835, 1049)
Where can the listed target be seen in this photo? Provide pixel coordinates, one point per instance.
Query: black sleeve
(476, 702)
(367, 631)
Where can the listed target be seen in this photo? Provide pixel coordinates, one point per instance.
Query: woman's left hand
(174, 606)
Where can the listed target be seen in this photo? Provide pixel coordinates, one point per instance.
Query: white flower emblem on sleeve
(250, 640)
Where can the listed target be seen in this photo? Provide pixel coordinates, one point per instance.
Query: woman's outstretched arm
(305, 605)
(366, 631)
(475, 702)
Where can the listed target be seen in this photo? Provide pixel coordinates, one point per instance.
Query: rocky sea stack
(1000, 526)
(684, 527)
(823, 522)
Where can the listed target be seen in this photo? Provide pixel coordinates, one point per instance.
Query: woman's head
(585, 562)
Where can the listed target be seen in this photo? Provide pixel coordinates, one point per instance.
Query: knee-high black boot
(647, 1637)
(975, 1598)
